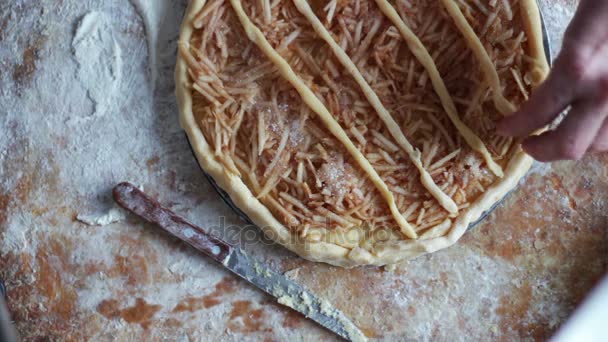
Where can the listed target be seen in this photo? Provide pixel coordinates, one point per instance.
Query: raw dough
(307, 160)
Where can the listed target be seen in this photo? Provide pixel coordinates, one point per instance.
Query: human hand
(579, 79)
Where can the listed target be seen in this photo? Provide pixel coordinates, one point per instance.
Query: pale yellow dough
(256, 36)
(503, 105)
(381, 253)
(448, 104)
(445, 201)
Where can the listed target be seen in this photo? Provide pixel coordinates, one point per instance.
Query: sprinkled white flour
(556, 17)
(89, 102)
(541, 169)
(99, 60)
(92, 107)
(151, 12)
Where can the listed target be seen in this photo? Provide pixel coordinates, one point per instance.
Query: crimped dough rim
(390, 252)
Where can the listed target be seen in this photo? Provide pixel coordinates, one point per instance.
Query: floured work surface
(359, 132)
(516, 276)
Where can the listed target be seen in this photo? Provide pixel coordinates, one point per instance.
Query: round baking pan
(245, 218)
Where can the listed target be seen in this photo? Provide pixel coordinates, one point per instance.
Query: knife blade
(7, 331)
(287, 292)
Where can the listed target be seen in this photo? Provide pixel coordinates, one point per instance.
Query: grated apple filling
(330, 114)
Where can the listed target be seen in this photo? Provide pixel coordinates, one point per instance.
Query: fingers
(588, 29)
(586, 35)
(573, 137)
(600, 144)
(548, 100)
(579, 79)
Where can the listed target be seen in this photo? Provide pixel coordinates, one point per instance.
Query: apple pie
(359, 132)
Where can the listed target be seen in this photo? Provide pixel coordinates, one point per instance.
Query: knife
(287, 292)
(7, 331)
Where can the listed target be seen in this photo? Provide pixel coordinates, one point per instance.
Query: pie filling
(358, 117)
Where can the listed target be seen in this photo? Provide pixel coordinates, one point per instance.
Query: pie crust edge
(331, 253)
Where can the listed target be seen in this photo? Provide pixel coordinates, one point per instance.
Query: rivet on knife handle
(132, 199)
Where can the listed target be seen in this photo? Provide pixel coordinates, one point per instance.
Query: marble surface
(72, 131)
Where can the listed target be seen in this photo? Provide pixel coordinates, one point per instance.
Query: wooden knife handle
(136, 201)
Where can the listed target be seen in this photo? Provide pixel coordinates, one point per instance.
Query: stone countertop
(87, 101)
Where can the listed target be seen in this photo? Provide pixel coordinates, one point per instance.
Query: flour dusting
(541, 169)
(150, 12)
(106, 69)
(99, 60)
